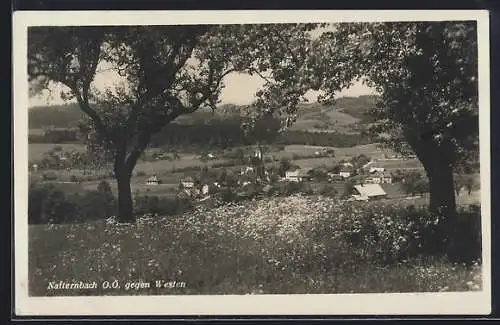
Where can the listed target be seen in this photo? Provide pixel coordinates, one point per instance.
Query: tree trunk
(442, 187)
(442, 203)
(125, 204)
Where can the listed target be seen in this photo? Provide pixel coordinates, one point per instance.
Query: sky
(240, 90)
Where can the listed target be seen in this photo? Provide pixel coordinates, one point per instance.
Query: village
(362, 180)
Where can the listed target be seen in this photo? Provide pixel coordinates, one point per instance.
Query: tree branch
(253, 70)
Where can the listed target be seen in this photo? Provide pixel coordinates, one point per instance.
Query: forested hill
(312, 116)
(57, 116)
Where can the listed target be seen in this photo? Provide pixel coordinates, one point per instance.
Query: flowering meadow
(296, 244)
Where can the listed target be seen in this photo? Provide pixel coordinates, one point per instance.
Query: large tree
(426, 74)
(166, 71)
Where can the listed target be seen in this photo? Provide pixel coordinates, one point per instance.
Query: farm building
(208, 189)
(346, 172)
(247, 170)
(153, 180)
(332, 177)
(297, 175)
(187, 182)
(379, 178)
(368, 192)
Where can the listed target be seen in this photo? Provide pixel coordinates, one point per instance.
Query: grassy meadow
(287, 245)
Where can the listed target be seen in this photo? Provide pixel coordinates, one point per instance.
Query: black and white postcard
(252, 163)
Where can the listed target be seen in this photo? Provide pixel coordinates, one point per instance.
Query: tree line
(221, 134)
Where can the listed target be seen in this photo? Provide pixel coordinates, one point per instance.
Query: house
(247, 170)
(208, 189)
(211, 156)
(368, 192)
(153, 180)
(258, 153)
(333, 177)
(376, 169)
(244, 181)
(347, 164)
(187, 182)
(346, 172)
(379, 178)
(297, 175)
(321, 152)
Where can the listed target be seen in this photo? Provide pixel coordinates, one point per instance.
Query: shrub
(46, 204)
(164, 206)
(328, 190)
(50, 205)
(49, 176)
(383, 234)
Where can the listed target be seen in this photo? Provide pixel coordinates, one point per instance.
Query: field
(370, 150)
(269, 246)
(399, 164)
(37, 150)
(332, 121)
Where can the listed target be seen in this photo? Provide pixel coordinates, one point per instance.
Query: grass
(399, 164)
(268, 247)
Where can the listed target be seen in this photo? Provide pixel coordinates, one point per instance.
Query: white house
(296, 175)
(258, 153)
(211, 156)
(333, 177)
(187, 182)
(208, 189)
(247, 170)
(347, 164)
(320, 152)
(379, 178)
(368, 192)
(346, 172)
(153, 180)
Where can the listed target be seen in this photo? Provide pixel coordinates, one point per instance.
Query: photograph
(252, 162)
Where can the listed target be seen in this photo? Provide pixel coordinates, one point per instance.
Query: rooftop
(369, 190)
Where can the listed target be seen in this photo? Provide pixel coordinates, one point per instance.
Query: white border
(477, 303)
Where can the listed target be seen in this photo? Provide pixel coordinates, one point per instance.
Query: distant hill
(356, 106)
(341, 117)
(57, 116)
